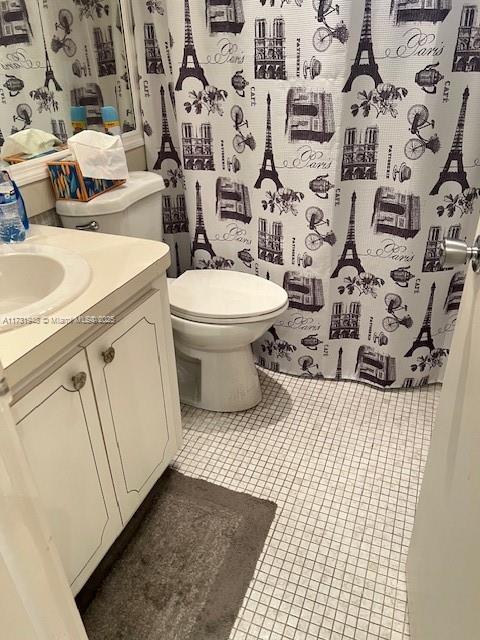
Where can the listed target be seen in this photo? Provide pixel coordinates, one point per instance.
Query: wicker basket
(69, 184)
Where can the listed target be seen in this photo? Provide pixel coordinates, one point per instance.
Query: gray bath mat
(185, 573)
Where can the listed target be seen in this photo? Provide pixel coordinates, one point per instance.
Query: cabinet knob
(79, 380)
(108, 355)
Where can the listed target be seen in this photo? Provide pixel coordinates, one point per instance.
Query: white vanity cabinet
(101, 429)
(60, 431)
(132, 381)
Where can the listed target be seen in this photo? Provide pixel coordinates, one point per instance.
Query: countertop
(121, 267)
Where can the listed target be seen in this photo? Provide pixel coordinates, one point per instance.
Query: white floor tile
(343, 462)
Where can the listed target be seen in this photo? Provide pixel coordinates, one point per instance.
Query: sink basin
(36, 280)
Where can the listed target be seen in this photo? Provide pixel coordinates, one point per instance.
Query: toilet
(216, 315)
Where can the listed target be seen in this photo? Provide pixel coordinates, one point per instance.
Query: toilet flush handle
(90, 226)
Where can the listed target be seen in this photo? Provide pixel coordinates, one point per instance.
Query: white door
(444, 558)
(60, 432)
(137, 396)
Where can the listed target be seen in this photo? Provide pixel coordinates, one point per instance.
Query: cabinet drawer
(129, 366)
(59, 428)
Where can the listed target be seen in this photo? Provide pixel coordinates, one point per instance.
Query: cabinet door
(136, 389)
(61, 435)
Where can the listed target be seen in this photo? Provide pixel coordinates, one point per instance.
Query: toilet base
(218, 381)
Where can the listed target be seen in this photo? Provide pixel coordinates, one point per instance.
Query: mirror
(59, 53)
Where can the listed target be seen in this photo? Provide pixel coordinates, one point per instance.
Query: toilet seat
(221, 321)
(225, 297)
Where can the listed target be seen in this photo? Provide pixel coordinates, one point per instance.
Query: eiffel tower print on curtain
(455, 157)
(338, 374)
(177, 261)
(200, 240)
(49, 75)
(349, 257)
(167, 148)
(268, 170)
(364, 64)
(424, 338)
(190, 67)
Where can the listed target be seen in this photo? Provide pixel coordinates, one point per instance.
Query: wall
(38, 195)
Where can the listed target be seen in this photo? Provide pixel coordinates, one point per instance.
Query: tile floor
(343, 462)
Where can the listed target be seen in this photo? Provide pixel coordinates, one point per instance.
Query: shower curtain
(329, 147)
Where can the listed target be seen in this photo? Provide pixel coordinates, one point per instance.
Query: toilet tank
(133, 209)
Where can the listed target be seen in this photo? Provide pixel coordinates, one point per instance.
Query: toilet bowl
(216, 315)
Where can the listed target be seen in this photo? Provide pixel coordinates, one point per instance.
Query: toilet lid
(210, 294)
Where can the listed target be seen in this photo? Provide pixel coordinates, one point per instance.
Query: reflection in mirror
(55, 54)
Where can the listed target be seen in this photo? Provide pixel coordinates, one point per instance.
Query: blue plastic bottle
(78, 116)
(12, 228)
(111, 121)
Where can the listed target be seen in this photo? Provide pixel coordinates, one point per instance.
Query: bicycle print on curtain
(324, 146)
